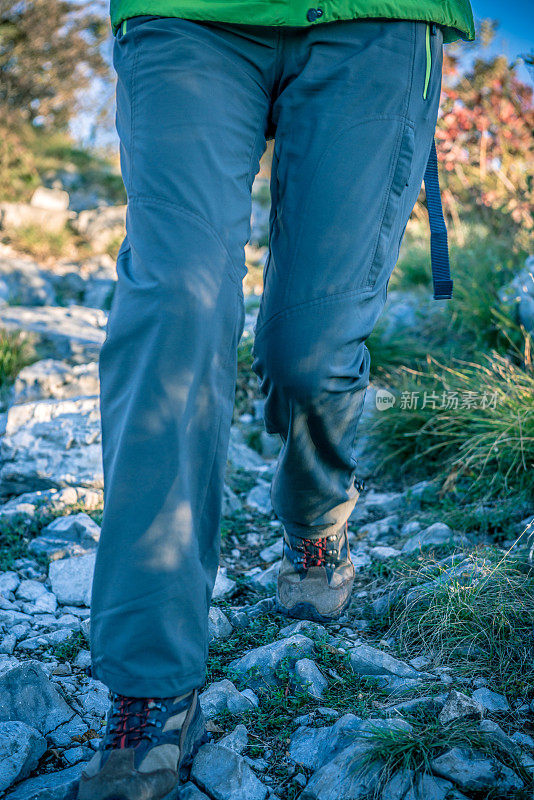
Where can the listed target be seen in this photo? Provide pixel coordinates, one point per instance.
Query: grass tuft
(414, 750)
(473, 419)
(476, 615)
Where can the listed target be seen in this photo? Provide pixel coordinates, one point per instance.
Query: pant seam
(204, 221)
(300, 308)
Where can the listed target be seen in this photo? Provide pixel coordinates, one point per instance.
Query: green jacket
(455, 16)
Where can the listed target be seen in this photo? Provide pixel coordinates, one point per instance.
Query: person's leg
(353, 134)
(192, 106)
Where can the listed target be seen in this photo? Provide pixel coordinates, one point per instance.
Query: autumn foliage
(485, 144)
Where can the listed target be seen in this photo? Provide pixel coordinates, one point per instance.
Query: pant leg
(191, 115)
(353, 134)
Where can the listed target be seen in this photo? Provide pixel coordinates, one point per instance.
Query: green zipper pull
(428, 60)
(124, 27)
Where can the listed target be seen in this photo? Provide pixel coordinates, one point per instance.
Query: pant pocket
(380, 262)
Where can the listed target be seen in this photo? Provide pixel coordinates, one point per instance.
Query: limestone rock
(259, 665)
(53, 786)
(21, 747)
(313, 747)
(236, 740)
(23, 215)
(27, 505)
(51, 199)
(188, 792)
(72, 578)
(73, 534)
(429, 787)
(225, 775)
(368, 660)
(224, 585)
(459, 706)
(27, 695)
(9, 581)
(346, 776)
(223, 696)
(52, 378)
(433, 536)
(259, 498)
(473, 771)
(25, 282)
(308, 674)
(101, 226)
(491, 701)
(52, 443)
(219, 626)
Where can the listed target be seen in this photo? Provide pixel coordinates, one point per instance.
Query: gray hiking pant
(196, 102)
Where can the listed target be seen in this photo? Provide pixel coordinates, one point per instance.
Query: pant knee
(305, 368)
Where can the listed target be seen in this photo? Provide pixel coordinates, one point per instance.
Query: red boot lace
(313, 552)
(129, 720)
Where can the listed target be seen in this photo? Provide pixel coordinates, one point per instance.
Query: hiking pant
(196, 102)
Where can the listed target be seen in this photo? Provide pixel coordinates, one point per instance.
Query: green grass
(399, 750)
(15, 536)
(69, 649)
(270, 726)
(42, 244)
(16, 351)
(474, 419)
(479, 622)
(474, 321)
(17, 532)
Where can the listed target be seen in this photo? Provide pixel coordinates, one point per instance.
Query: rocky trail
(295, 709)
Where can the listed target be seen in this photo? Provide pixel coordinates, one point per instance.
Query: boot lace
(130, 720)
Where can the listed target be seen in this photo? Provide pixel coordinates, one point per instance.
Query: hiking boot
(316, 577)
(147, 748)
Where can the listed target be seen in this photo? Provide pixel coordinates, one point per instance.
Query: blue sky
(515, 35)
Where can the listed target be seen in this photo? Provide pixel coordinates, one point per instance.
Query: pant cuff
(140, 687)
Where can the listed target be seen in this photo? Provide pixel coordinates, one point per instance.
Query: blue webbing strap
(439, 249)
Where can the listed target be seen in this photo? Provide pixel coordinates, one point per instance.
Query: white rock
(475, 772)
(459, 706)
(258, 666)
(51, 199)
(101, 226)
(264, 578)
(223, 696)
(73, 534)
(225, 775)
(236, 740)
(9, 581)
(72, 332)
(30, 590)
(52, 378)
(435, 535)
(273, 552)
(52, 442)
(21, 747)
(27, 695)
(259, 498)
(51, 500)
(94, 698)
(22, 215)
(310, 676)
(491, 701)
(72, 578)
(219, 626)
(384, 553)
(223, 584)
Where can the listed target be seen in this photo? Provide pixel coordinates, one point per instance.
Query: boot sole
(309, 612)
(198, 726)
